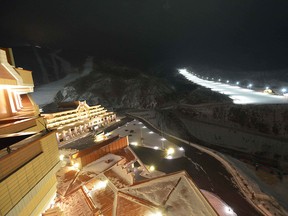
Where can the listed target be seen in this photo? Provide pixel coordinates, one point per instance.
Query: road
(207, 172)
(237, 94)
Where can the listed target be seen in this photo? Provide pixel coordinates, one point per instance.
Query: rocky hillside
(120, 87)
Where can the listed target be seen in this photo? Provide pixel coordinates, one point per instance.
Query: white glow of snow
(238, 94)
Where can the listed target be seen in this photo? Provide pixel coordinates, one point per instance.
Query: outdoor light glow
(134, 143)
(100, 185)
(267, 87)
(144, 127)
(158, 213)
(169, 157)
(151, 168)
(181, 149)
(163, 139)
(227, 81)
(76, 165)
(170, 151)
(61, 157)
(283, 90)
(156, 147)
(151, 132)
(182, 70)
(228, 210)
(240, 95)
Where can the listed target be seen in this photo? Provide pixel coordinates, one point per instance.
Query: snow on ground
(275, 188)
(263, 181)
(141, 135)
(45, 94)
(237, 94)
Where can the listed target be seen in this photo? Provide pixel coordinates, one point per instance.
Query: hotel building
(73, 119)
(110, 180)
(29, 155)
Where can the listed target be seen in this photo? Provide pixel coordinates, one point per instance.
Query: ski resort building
(73, 119)
(109, 179)
(29, 156)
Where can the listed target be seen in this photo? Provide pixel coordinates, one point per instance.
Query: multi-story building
(73, 119)
(29, 155)
(109, 179)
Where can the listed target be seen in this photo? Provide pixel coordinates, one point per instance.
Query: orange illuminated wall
(89, 155)
(4, 107)
(14, 83)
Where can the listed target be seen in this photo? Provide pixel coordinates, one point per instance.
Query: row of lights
(250, 85)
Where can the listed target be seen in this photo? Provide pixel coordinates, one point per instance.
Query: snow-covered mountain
(121, 87)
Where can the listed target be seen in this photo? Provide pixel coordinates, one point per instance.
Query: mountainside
(120, 87)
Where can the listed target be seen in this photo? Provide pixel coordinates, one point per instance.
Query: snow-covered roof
(108, 189)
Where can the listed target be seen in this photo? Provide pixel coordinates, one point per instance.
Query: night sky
(233, 33)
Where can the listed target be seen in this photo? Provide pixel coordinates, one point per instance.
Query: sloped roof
(172, 194)
(175, 193)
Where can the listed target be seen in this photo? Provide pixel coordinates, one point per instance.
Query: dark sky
(239, 33)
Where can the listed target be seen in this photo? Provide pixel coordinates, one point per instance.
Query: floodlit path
(237, 94)
(140, 135)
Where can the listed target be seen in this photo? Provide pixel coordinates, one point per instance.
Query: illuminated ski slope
(237, 94)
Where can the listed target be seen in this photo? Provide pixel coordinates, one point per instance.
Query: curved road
(207, 172)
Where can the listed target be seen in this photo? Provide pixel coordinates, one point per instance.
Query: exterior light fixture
(134, 143)
(170, 151)
(61, 157)
(76, 165)
(157, 213)
(100, 185)
(152, 168)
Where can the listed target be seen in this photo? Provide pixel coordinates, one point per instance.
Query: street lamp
(250, 85)
(219, 80)
(237, 83)
(227, 81)
(283, 90)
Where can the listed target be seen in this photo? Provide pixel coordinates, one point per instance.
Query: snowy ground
(237, 94)
(264, 181)
(45, 94)
(260, 182)
(140, 135)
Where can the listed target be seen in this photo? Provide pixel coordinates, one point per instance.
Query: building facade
(73, 119)
(29, 156)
